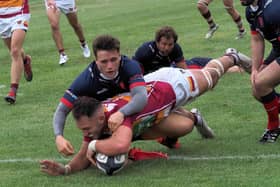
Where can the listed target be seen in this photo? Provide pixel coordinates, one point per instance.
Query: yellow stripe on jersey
(11, 3)
(191, 83)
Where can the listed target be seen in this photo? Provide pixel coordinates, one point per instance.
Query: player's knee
(15, 51)
(259, 87)
(201, 5)
(54, 26)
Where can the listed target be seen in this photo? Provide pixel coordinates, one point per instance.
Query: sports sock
(239, 24)
(61, 51)
(207, 16)
(278, 96)
(271, 105)
(13, 89)
(83, 43)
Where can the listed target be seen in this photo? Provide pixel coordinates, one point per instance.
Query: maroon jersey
(161, 100)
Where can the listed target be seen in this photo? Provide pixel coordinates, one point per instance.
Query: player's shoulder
(147, 48)
(128, 64)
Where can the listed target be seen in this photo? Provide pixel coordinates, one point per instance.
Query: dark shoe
(11, 97)
(270, 136)
(27, 68)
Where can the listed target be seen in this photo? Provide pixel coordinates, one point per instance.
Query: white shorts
(18, 22)
(64, 6)
(182, 81)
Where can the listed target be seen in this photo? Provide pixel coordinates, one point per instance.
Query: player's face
(108, 62)
(165, 46)
(90, 126)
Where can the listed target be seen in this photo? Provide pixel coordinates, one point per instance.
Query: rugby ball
(110, 164)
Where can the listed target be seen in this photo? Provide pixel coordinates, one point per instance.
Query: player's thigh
(269, 76)
(17, 40)
(175, 125)
(53, 16)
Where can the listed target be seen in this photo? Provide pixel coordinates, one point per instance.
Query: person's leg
(73, 20)
(202, 6)
(53, 17)
(174, 126)
(229, 6)
(15, 44)
(28, 74)
(208, 77)
(263, 90)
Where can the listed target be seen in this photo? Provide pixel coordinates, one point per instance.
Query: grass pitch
(233, 158)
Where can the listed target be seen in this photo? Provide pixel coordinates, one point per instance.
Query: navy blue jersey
(90, 83)
(150, 58)
(197, 62)
(266, 21)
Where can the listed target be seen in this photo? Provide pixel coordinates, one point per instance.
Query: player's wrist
(67, 169)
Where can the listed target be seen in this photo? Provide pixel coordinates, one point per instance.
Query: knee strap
(220, 69)
(208, 77)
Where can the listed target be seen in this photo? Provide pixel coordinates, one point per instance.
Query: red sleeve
(254, 32)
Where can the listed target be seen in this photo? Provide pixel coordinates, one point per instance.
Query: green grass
(238, 120)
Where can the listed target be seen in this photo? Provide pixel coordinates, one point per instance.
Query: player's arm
(137, 103)
(63, 146)
(79, 162)
(79, 87)
(139, 97)
(257, 50)
(137, 86)
(63, 109)
(117, 144)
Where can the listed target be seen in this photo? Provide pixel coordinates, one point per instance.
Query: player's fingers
(69, 149)
(91, 160)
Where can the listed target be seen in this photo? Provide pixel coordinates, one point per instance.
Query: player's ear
(100, 117)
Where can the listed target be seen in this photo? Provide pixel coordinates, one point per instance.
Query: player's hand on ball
(115, 120)
(90, 156)
(64, 146)
(52, 168)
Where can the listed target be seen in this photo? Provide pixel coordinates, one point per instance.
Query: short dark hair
(85, 106)
(105, 42)
(167, 32)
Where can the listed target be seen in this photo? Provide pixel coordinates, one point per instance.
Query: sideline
(171, 157)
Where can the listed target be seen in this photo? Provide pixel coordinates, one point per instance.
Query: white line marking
(172, 157)
(236, 157)
(15, 160)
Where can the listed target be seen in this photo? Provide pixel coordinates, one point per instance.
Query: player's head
(246, 2)
(107, 55)
(165, 39)
(89, 116)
